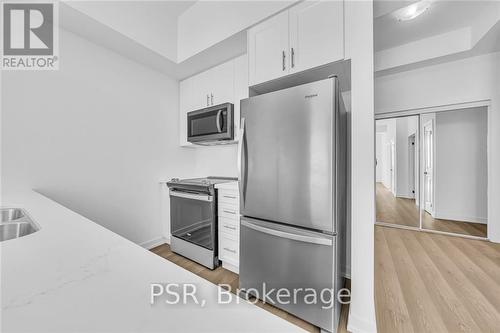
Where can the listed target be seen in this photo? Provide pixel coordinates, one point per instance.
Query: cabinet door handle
(229, 211)
(208, 99)
(229, 196)
(229, 250)
(293, 58)
(212, 98)
(283, 58)
(230, 228)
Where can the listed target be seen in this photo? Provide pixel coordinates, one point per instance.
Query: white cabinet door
(201, 90)
(316, 34)
(220, 83)
(268, 49)
(194, 94)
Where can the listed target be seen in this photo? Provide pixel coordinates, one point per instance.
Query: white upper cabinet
(226, 83)
(268, 49)
(316, 34)
(220, 83)
(307, 35)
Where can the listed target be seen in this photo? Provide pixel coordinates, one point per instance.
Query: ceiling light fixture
(412, 11)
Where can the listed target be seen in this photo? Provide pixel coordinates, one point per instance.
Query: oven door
(211, 124)
(192, 217)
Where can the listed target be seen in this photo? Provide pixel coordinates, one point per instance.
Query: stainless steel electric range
(193, 218)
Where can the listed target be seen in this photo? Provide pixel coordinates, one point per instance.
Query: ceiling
(443, 16)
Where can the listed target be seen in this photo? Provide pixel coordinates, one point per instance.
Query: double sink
(15, 223)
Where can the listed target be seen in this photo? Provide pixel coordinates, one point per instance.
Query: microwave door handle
(219, 129)
(241, 171)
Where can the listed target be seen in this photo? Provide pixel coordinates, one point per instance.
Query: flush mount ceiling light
(412, 11)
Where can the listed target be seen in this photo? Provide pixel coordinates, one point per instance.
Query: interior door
(287, 169)
(268, 49)
(316, 34)
(429, 167)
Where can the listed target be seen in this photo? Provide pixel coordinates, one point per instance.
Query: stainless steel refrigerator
(293, 197)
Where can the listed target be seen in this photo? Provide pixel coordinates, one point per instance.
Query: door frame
(429, 209)
(442, 108)
(412, 169)
(392, 166)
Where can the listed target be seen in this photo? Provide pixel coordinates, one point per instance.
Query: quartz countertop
(74, 275)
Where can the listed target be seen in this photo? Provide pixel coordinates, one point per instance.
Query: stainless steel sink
(16, 223)
(11, 214)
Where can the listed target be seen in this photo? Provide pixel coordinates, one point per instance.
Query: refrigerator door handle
(217, 121)
(288, 235)
(241, 171)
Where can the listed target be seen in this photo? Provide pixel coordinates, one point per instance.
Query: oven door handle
(217, 121)
(185, 195)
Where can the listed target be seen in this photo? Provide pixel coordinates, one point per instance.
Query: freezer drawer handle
(200, 197)
(288, 235)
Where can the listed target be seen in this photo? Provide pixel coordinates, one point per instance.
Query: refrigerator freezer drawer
(277, 256)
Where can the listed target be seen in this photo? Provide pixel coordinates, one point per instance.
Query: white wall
(462, 81)
(461, 180)
(359, 48)
(152, 24)
(97, 135)
(216, 161)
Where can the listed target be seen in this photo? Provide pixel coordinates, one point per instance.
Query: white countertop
(228, 186)
(76, 276)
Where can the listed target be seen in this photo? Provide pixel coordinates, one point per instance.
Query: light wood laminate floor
(428, 282)
(423, 283)
(401, 211)
(223, 276)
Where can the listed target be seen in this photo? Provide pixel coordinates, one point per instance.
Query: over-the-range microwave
(211, 125)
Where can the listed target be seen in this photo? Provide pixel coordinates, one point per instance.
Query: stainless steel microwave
(211, 124)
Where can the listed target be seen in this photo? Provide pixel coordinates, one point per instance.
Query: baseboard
(231, 267)
(356, 324)
(459, 218)
(154, 242)
(404, 196)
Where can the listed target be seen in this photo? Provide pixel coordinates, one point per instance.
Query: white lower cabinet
(228, 212)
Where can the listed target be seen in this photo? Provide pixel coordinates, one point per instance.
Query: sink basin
(15, 223)
(11, 214)
(16, 230)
